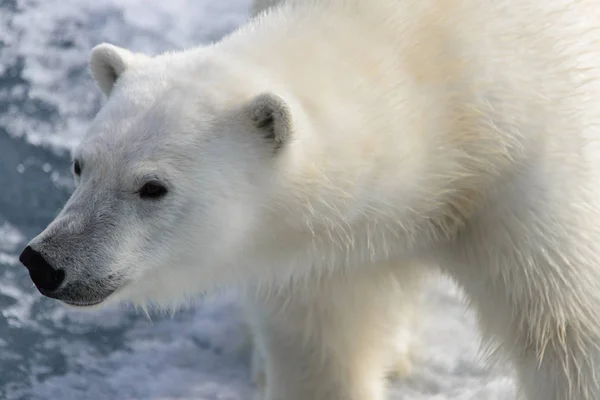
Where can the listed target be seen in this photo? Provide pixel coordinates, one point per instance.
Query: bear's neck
(391, 142)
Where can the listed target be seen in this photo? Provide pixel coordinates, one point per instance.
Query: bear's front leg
(554, 358)
(337, 337)
(543, 314)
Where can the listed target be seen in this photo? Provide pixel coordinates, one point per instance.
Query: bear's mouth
(83, 304)
(82, 295)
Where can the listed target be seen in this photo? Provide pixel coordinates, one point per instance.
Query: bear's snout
(45, 277)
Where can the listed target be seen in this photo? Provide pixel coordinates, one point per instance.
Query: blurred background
(47, 98)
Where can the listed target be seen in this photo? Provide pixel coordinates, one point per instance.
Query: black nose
(45, 278)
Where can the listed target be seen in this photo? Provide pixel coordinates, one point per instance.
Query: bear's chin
(93, 304)
(89, 303)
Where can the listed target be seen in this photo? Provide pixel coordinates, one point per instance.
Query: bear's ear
(107, 62)
(272, 116)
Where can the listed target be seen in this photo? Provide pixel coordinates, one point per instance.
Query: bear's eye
(77, 168)
(152, 190)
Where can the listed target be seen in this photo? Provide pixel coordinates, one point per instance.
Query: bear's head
(173, 179)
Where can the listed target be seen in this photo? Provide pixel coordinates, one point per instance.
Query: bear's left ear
(272, 116)
(108, 62)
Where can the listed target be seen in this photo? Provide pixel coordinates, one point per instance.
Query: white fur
(339, 339)
(334, 337)
(458, 133)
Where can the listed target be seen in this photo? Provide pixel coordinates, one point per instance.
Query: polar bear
(354, 145)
